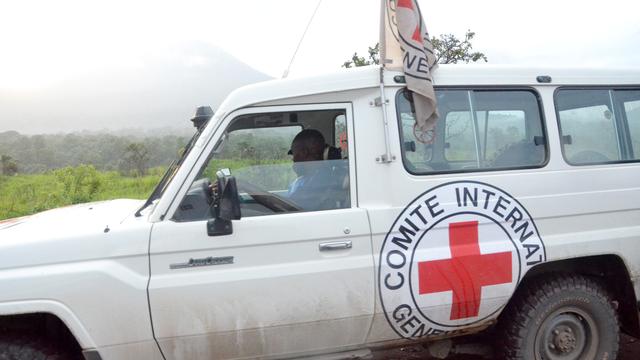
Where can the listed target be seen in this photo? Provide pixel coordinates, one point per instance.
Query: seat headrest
(332, 153)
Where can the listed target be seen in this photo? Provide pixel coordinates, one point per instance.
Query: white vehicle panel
(579, 211)
(279, 282)
(64, 263)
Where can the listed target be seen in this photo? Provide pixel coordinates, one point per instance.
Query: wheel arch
(37, 310)
(612, 270)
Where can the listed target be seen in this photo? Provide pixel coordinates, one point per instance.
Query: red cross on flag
(405, 45)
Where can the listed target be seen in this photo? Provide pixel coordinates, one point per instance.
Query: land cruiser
(519, 215)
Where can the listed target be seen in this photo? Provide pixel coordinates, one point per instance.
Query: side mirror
(226, 205)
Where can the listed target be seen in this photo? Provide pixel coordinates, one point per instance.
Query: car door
(281, 284)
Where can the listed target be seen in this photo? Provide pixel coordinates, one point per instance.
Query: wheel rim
(568, 333)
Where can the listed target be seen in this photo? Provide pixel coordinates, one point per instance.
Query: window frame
(633, 152)
(473, 89)
(621, 123)
(337, 144)
(207, 145)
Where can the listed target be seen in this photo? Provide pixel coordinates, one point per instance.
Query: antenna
(286, 72)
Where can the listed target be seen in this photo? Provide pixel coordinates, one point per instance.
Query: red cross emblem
(466, 273)
(408, 4)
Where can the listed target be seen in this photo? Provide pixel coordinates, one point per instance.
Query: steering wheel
(269, 200)
(202, 189)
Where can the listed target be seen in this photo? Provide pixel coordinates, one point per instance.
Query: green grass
(22, 195)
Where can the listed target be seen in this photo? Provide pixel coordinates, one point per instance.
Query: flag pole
(386, 157)
(383, 37)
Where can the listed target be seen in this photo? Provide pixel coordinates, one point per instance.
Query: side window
(631, 103)
(459, 137)
(282, 162)
(588, 126)
(258, 156)
(599, 125)
(418, 154)
(478, 130)
(498, 129)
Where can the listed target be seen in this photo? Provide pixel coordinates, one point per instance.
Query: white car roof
(444, 75)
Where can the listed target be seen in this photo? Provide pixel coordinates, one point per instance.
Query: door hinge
(377, 102)
(383, 159)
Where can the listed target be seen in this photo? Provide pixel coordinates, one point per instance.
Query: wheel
(28, 348)
(562, 317)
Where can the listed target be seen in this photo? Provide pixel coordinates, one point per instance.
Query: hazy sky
(45, 44)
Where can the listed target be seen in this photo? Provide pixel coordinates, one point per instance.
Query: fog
(161, 92)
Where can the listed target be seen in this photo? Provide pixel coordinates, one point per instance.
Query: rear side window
(599, 125)
(630, 100)
(478, 130)
(459, 134)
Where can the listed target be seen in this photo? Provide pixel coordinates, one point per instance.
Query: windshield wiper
(158, 189)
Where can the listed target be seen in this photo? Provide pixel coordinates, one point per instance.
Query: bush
(79, 184)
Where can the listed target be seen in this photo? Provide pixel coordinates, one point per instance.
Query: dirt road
(629, 350)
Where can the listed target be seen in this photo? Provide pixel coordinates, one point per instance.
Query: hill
(161, 92)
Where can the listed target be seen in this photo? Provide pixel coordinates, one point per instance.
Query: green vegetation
(28, 194)
(447, 48)
(8, 166)
(42, 172)
(128, 154)
(51, 173)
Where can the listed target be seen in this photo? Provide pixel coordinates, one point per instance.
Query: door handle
(336, 245)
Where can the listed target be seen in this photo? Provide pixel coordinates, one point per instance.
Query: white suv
(519, 214)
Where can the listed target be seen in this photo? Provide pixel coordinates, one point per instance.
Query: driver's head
(308, 145)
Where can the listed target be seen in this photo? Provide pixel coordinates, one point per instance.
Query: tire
(29, 348)
(568, 317)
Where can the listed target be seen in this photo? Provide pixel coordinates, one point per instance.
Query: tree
(448, 49)
(374, 58)
(136, 159)
(451, 50)
(105, 151)
(9, 166)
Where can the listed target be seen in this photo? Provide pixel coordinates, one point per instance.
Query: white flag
(405, 45)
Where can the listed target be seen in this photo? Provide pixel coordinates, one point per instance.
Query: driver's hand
(213, 188)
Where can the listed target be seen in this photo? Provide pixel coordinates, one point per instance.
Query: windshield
(171, 171)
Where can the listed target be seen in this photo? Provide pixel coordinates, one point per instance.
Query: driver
(315, 180)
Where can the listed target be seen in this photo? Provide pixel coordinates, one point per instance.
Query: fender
(54, 308)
